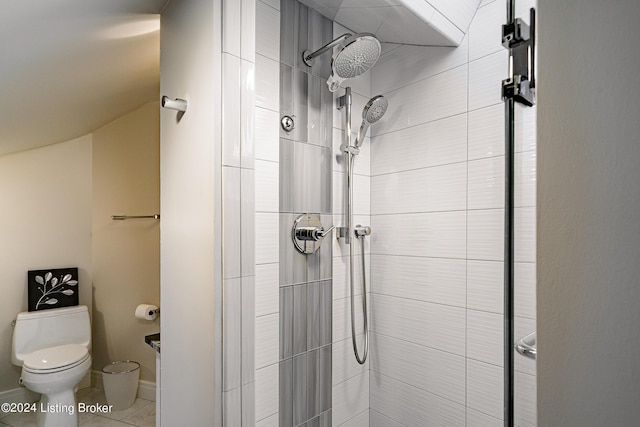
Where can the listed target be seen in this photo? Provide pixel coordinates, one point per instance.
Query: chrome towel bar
(125, 217)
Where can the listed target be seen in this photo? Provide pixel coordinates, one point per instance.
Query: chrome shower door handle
(527, 346)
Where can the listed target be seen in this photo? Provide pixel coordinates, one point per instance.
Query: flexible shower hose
(363, 358)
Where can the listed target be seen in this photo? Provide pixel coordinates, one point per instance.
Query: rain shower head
(372, 112)
(355, 55)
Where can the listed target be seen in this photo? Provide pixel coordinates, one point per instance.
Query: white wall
(45, 222)
(588, 203)
(126, 254)
(190, 194)
(437, 186)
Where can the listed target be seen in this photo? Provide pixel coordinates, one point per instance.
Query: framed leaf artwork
(52, 288)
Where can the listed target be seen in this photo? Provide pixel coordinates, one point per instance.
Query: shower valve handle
(308, 233)
(312, 233)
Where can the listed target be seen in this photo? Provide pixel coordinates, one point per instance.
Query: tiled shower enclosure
(429, 181)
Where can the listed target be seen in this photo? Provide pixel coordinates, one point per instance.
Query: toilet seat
(55, 359)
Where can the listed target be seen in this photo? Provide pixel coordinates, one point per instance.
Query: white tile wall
(232, 347)
(525, 229)
(267, 343)
(267, 156)
(267, 395)
(439, 188)
(413, 63)
(267, 240)
(438, 372)
(342, 318)
(485, 388)
(435, 143)
(486, 132)
(267, 186)
(412, 406)
(484, 285)
(486, 183)
(341, 276)
(273, 420)
(267, 138)
(231, 110)
(485, 235)
(413, 104)
(420, 322)
(248, 25)
(349, 399)
(459, 13)
(525, 277)
(485, 77)
(268, 30)
(376, 419)
(344, 364)
(231, 221)
(232, 28)
(360, 420)
(485, 32)
(478, 419)
(267, 83)
(238, 208)
(437, 197)
(484, 337)
(267, 288)
(437, 280)
(525, 193)
(247, 112)
(436, 234)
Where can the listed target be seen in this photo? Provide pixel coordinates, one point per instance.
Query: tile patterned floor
(141, 414)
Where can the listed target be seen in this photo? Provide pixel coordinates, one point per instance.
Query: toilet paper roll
(146, 312)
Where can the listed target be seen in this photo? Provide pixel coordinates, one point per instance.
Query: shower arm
(309, 57)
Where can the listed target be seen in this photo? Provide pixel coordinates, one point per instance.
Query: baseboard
(18, 395)
(146, 389)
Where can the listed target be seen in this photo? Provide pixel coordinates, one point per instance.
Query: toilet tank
(36, 330)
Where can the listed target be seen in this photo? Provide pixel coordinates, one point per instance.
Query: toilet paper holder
(147, 312)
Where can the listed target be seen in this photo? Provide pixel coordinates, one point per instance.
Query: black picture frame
(52, 288)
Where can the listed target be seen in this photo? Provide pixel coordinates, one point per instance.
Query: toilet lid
(54, 358)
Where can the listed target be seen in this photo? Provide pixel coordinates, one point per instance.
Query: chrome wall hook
(175, 104)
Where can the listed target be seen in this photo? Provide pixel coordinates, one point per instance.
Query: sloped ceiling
(68, 67)
(421, 22)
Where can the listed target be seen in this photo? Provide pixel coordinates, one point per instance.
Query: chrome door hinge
(520, 39)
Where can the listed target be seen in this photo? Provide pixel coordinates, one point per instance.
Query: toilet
(52, 347)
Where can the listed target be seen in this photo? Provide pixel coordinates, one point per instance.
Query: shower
(355, 55)
(372, 112)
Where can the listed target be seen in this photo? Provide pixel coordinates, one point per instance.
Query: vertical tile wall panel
(265, 151)
(305, 186)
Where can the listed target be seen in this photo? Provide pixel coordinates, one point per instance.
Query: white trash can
(120, 380)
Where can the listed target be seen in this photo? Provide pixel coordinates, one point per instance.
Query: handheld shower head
(355, 56)
(373, 111)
